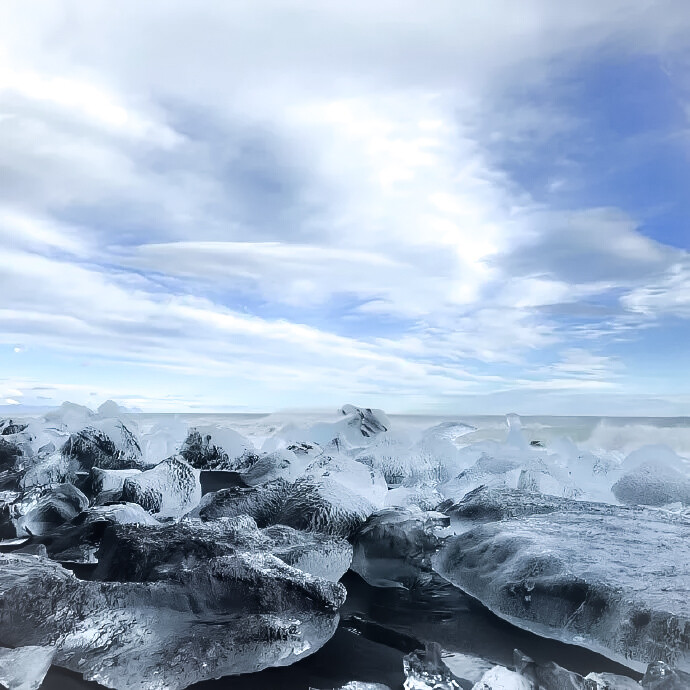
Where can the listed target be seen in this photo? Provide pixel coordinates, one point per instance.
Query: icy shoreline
(195, 524)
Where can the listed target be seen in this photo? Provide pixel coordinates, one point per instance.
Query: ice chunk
(653, 483)
(515, 436)
(11, 456)
(352, 475)
(24, 668)
(280, 464)
(609, 681)
(370, 422)
(109, 483)
(501, 678)
(353, 427)
(53, 468)
(69, 416)
(489, 470)
(548, 675)
(609, 578)
(449, 431)
(660, 676)
(214, 448)
(41, 510)
(431, 459)
(424, 496)
(322, 504)
(9, 427)
(146, 553)
(466, 666)
(655, 453)
(110, 409)
(79, 540)
(107, 444)
(10, 452)
(425, 670)
(395, 546)
(234, 614)
(170, 489)
(163, 438)
(264, 503)
(316, 554)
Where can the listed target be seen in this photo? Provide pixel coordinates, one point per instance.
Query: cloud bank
(258, 205)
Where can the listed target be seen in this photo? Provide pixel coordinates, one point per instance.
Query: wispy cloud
(293, 205)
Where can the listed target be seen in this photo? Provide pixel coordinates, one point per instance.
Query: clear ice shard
(425, 670)
(24, 668)
(395, 545)
(232, 614)
(610, 578)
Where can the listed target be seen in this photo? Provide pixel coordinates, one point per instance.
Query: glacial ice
(107, 444)
(179, 587)
(351, 427)
(334, 496)
(232, 614)
(394, 547)
(655, 476)
(170, 489)
(41, 510)
(322, 504)
(141, 553)
(501, 678)
(24, 668)
(263, 503)
(78, 540)
(659, 676)
(214, 448)
(610, 681)
(610, 578)
(425, 670)
(546, 675)
(107, 485)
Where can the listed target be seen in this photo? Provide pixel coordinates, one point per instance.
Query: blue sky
(248, 206)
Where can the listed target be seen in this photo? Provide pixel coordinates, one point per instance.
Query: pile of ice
(586, 546)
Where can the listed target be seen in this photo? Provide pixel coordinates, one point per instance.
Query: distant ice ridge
(561, 536)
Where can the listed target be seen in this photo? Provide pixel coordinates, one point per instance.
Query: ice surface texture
(613, 579)
(333, 495)
(142, 553)
(394, 547)
(171, 489)
(231, 614)
(178, 588)
(24, 668)
(41, 510)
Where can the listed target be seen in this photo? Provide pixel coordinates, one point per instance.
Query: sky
(444, 208)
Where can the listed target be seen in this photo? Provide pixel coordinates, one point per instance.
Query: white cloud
(164, 167)
(669, 295)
